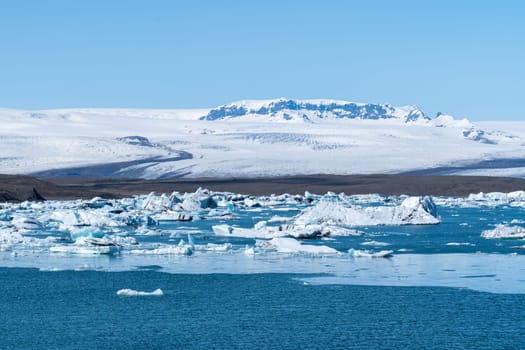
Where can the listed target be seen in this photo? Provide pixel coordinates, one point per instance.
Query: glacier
(254, 138)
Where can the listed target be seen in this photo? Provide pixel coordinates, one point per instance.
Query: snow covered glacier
(249, 138)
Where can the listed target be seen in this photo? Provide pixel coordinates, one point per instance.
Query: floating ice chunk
(366, 254)
(96, 203)
(215, 214)
(214, 247)
(222, 230)
(165, 249)
(137, 293)
(5, 215)
(123, 240)
(460, 244)
(9, 237)
(343, 231)
(27, 223)
(375, 243)
(70, 217)
(252, 203)
(88, 246)
(162, 202)
(170, 215)
(260, 230)
(291, 245)
(413, 210)
(503, 231)
(230, 231)
(249, 251)
(278, 219)
(306, 231)
(85, 232)
(200, 199)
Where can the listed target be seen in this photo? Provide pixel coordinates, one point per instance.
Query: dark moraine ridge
(19, 188)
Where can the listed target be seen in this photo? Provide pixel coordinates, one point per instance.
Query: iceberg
(291, 245)
(85, 232)
(96, 203)
(27, 223)
(10, 237)
(367, 254)
(158, 203)
(200, 199)
(88, 246)
(260, 230)
(171, 216)
(136, 293)
(166, 249)
(505, 232)
(412, 211)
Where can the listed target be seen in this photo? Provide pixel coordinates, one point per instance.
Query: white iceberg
(166, 249)
(170, 215)
(260, 230)
(136, 293)
(412, 211)
(503, 231)
(367, 254)
(213, 247)
(291, 245)
(27, 223)
(88, 246)
(9, 237)
(198, 200)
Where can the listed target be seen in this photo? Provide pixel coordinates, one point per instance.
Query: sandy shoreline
(20, 188)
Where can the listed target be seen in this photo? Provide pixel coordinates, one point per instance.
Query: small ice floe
(367, 254)
(213, 247)
(504, 232)
(88, 246)
(95, 203)
(375, 243)
(137, 293)
(412, 211)
(215, 214)
(493, 199)
(291, 245)
(27, 223)
(85, 232)
(84, 250)
(166, 249)
(249, 251)
(10, 237)
(460, 244)
(86, 217)
(5, 215)
(278, 219)
(173, 216)
(261, 230)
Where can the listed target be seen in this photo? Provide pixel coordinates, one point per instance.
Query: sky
(464, 58)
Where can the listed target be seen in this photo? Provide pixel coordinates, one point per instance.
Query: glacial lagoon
(223, 270)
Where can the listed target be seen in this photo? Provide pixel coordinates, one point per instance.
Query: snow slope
(249, 138)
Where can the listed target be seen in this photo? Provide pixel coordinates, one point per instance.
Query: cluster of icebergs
(209, 222)
(492, 199)
(101, 226)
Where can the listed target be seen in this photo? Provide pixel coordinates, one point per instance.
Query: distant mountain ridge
(311, 110)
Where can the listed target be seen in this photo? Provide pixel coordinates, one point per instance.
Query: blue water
(430, 294)
(80, 310)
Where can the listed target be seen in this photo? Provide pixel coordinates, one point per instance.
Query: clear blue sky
(465, 58)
